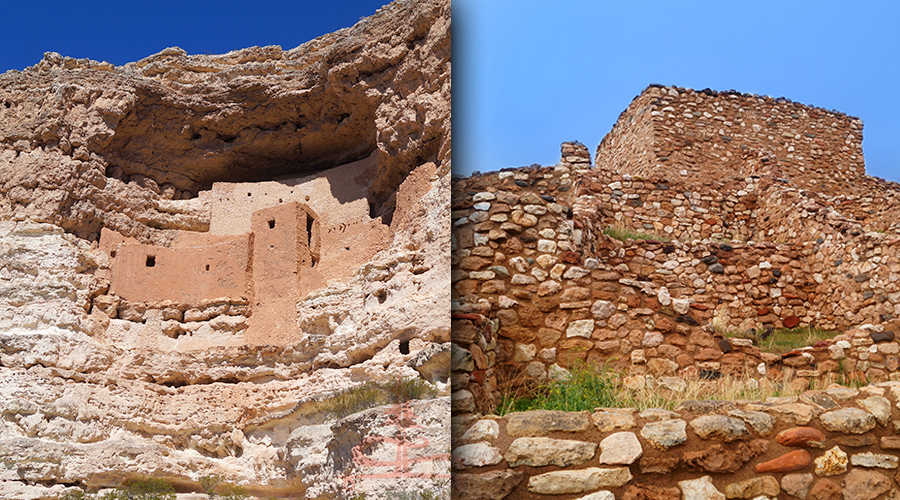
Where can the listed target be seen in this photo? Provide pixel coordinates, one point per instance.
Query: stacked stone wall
(714, 135)
(561, 291)
(831, 444)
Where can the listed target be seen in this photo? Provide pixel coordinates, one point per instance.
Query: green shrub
(209, 483)
(228, 491)
(133, 489)
(624, 233)
(587, 387)
(372, 394)
(785, 340)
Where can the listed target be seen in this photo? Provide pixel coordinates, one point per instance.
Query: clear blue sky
(531, 74)
(122, 31)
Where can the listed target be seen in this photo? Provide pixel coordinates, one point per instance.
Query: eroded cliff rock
(122, 356)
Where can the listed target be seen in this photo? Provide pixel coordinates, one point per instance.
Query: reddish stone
(762, 311)
(768, 318)
(664, 324)
(719, 459)
(634, 492)
(796, 361)
(795, 460)
(659, 464)
(571, 257)
(803, 437)
(825, 489)
(707, 354)
(683, 360)
(700, 307)
(791, 321)
(477, 376)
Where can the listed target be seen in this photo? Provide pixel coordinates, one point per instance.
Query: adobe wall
(187, 275)
(337, 195)
(715, 135)
(836, 443)
(349, 235)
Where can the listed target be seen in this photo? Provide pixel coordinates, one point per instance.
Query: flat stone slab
(864, 485)
(494, 485)
(542, 451)
(720, 428)
(578, 481)
(761, 422)
(482, 430)
(700, 489)
(543, 422)
(476, 455)
(870, 459)
(608, 421)
(621, 448)
(665, 434)
(752, 488)
(879, 407)
(848, 421)
(797, 485)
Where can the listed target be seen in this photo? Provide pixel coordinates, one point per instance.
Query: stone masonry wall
(561, 291)
(711, 135)
(831, 444)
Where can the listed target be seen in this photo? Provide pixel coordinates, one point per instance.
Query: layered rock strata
(145, 331)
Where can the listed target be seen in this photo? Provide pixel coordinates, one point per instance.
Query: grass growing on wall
(589, 387)
(785, 340)
(623, 233)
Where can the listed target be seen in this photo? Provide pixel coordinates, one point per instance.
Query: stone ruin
(267, 248)
(759, 216)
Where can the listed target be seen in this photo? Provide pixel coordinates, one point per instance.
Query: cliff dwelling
(199, 254)
(269, 245)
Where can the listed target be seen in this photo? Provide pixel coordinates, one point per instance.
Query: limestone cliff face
(99, 163)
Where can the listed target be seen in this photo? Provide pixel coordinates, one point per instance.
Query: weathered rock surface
(577, 481)
(95, 389)
(538, 452)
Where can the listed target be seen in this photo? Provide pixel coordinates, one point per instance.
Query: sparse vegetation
(590, 387)
(133, 489)
(785, 340)
(215, 487)
(372, 394)
(623, 233)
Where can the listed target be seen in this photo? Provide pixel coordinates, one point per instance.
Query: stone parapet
(709, 135)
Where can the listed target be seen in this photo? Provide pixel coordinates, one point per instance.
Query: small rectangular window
(272, 224)
(151, 261)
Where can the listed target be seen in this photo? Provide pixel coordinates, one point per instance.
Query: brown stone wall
(836, 443)
(668, 131)
(630, 147)
(561, 291)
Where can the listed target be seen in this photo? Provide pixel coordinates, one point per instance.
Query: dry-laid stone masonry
(758, 216)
